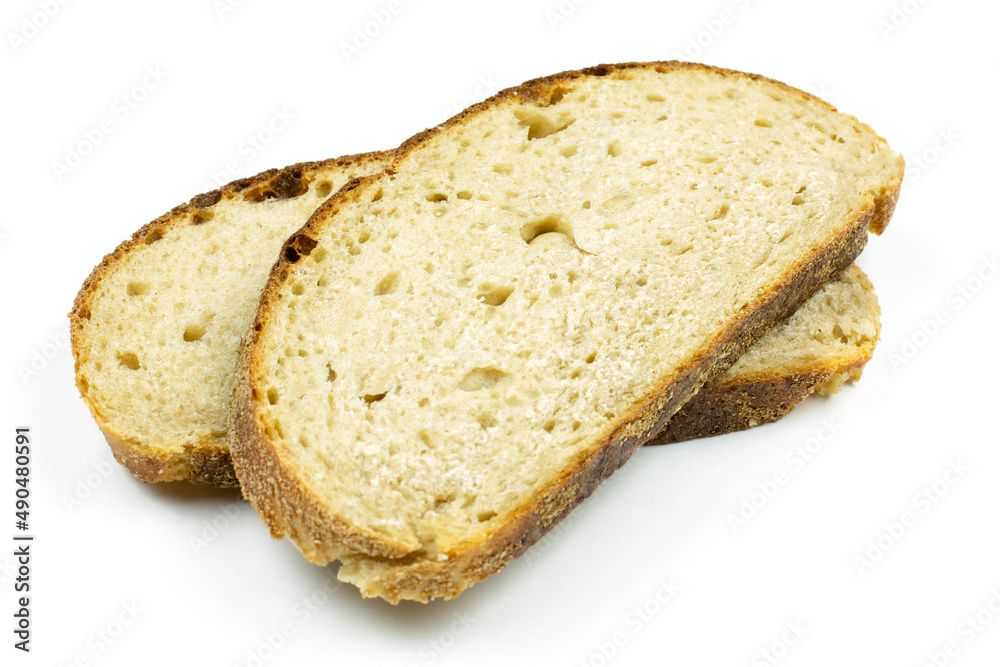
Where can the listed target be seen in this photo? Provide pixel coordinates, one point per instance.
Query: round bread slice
(452, 354)
(824, 344)
(157, 325)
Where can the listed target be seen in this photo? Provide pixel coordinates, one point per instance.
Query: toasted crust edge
(205, 461)
(724, 406)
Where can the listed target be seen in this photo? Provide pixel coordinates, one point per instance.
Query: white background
(113, 550)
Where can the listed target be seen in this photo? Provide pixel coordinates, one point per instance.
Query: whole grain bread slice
(824, 344)
(157, 325)
(452, 354)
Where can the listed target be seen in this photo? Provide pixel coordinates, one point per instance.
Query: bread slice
(157, 325)
(824, 344)
(452, 354)
(166, 418)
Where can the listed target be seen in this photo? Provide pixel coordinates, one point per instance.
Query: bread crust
(725, 404)
(283, 500)
(205, 461)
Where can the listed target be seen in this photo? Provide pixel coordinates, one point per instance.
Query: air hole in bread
(556, 96)
(586, 204)
(137, 288)
(202, 216)
(154, 237)
(324, 188)
(655, 97)
(707, 159)
(129, 360)
(617, 204)
(503, 168)
(272, 396)
(193, 332)
(549, 425)
(762, 122)
(591, 358)
(661, 119)
(481, 378)
(482, 517)
(298, 247)
(569, 151)
(798, 200)
(441, 501)
(494, 296)
(374, 398)
(486, 420)
(437, 197)
(720, 214)
(387, 285)
(541, 125)
(464, 194)
(648, 163)
(331, 374)
(641, 281)
(614, 148)
(550, 224)
(298, 289)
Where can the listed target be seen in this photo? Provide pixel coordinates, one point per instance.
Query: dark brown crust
(206, 461)
(725, 403)
(285, 504)
(724, 407)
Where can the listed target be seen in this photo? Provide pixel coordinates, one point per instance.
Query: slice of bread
(824, 344)
(452, 354)
(157, 325)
